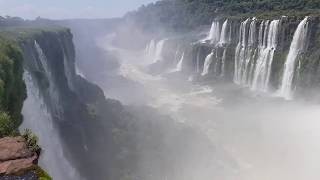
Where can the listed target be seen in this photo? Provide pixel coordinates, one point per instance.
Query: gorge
(230, 95)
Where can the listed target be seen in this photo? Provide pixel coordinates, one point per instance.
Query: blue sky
(63, 9)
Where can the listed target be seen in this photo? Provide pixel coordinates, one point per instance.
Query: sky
(66, 9)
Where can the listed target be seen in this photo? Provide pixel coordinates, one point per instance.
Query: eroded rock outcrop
(16, 159)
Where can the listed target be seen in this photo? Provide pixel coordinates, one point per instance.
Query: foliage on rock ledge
(12, 87)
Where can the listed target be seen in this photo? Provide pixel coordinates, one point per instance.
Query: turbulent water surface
(266, 137)
(249, 133)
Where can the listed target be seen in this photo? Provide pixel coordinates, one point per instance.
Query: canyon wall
(277, 56)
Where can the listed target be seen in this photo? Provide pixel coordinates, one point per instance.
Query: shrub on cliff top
(6, 124)
(32, 141)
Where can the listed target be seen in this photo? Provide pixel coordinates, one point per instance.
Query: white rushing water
(207, 63)
(154, 50)
(297, 46)
(240, 53)
(180, 63)
(39, 120)
(254, 53)
(52, 88)
(223, 63)
(214, 34)
(265, 58)
(150, 49)
(159, 49)
(224, 37)
(220, 39)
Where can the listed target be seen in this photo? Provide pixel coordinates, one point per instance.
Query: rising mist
(176, 91)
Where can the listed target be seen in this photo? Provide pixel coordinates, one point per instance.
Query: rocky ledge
(18, 161)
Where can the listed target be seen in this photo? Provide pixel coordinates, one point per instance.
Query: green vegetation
(24, 33)
(12, 87)
(42, 175)
(186, 14)
(6, 124)
(32, 141)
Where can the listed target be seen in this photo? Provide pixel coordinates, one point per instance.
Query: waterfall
(150, 49)
(176, 55)
(52, 88)
(230, 33)
(39, 120)
(68, 71)
(159, 50)
(224, 38)
(214, 34)
(217, 65)
(154, 50)
(250, 54)
(255, 52)
(42, 58)
(265, 58)
(219, 40)
(223, 63)
(297, 46)
(244, 51)
(207, 64)
(80, 73)
(180, 63)
(198, 62)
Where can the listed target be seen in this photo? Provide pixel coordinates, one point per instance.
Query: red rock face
(18, 166)
(13, 148)
(15, 157)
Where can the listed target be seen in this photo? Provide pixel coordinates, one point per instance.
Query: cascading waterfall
(52, 89)
(224, 38)
(154, 50)
(80, 73)
(254, 53)
(296, 48)
(159, 50)
(214, 34)
(176, 55)
(207, 63)
(198, 62)
(265, 58)
(253, 63)
(217, 65)
(250, 54)
(40, 121)
(223, 63)
(150, 49)
(219, 40)
(68, 73)
(180, 63)
(42, 58)
(245, 51)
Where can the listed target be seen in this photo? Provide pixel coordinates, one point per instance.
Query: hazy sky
(62, 9)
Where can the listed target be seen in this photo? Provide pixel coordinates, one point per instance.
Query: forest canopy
(185, 14)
